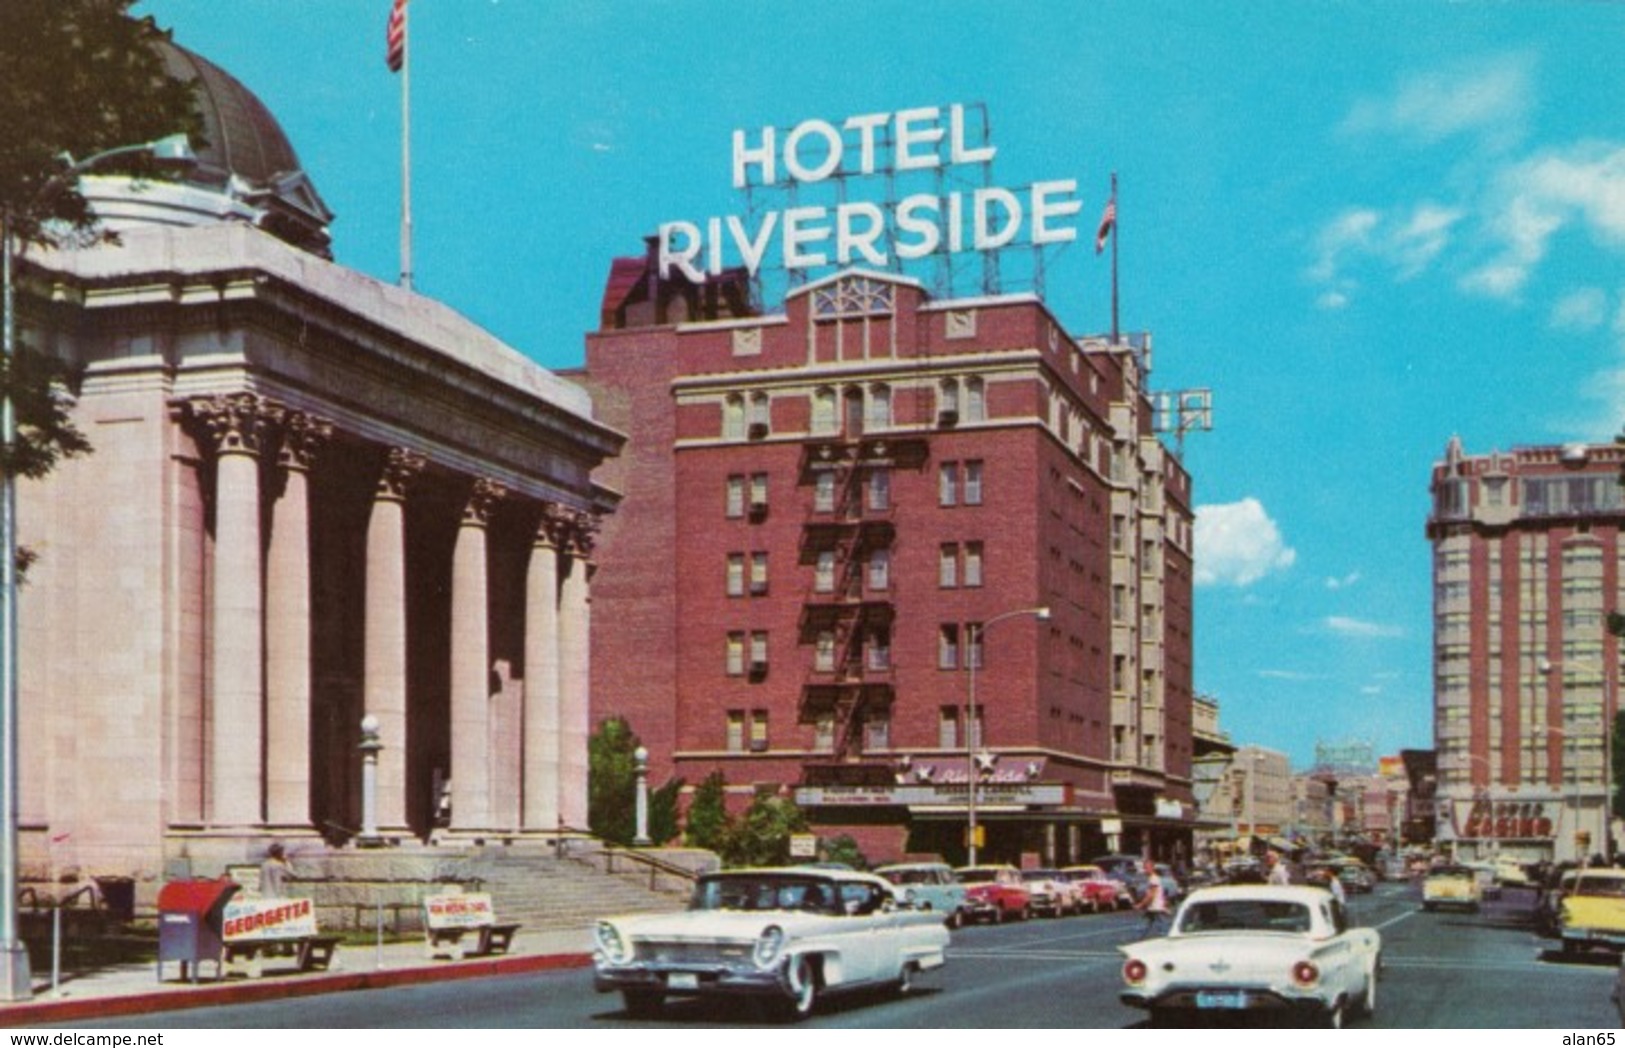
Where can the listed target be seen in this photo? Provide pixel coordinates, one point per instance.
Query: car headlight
(769, 946)
(614, 947)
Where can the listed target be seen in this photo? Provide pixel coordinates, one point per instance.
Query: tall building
(313, 498)
(826, 507)
(1526, 570)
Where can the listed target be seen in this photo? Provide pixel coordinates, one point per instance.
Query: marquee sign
(863, 232)
(990, 795)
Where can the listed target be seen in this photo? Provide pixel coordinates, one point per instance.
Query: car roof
(1609, 872)
(895, 866)
(1299, 893)
(801, 872)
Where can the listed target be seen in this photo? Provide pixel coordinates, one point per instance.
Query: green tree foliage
(845, 849)
(707, 825)
(761, 836)
(612, 788)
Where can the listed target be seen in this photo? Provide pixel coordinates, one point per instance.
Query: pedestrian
(1278, 873)
(1154, 903)
(274, 871)
(1334, 884)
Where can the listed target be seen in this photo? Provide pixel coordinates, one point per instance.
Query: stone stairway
(545, 891)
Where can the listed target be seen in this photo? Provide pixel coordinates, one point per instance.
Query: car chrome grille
(724, 953)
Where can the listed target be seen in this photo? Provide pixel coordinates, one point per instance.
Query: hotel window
(973, 563)
(854, 412)
(975, 400)
(760, 415)
(880, 488)
(824, 572)
(973, 644)
(948, 484)
(948, 401)
(948, 565)
(824, 733)
(824, 421)
(880, 650)
(733, 417)
(824, 652)
(879, 569)
(736, 654)
(1119, 603)
(758, 490)
(948, 646)
(879, 408)
(758, 731)
(758, 574)
(758, 648)
(877, 732)
(736, 574)
(948, 727)
(736, 731)
(973, 483)
(736, 495)
(824, 491)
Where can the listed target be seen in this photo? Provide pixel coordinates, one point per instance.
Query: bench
(462, 924)
(258, 930)
(309, 953)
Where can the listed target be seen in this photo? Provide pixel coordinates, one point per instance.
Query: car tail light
(1305, 974)
(1134, 971)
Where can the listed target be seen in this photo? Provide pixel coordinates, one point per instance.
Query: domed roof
(246, 168)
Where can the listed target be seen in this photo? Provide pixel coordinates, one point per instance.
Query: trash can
(118, 897)
(191, 919)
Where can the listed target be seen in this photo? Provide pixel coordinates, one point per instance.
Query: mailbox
(191, 916)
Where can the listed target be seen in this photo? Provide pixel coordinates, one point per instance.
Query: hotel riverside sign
(862, 232)
(997, 794)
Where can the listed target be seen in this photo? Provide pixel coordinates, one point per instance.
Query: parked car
(928, 886)
(786, 936)
(1356, 878)
(1098, 891)
(1592, 912)
(1050, 893)
(1127, 870)
(1256, 948)
(995, 893)
(1450, 884)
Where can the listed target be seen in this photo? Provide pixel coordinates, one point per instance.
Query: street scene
(616, 517)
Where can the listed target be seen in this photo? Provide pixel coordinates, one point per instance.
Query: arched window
(975, 400)
(760, 416)
(879, 407)
(854, 412)
(733, 417)
(823, 412)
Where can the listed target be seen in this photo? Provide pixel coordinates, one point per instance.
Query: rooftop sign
(864, 232)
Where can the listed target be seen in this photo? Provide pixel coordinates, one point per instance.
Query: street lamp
(15, 981)
(973, 644)
(1607, 728)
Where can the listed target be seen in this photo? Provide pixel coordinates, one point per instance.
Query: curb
(58, 1012)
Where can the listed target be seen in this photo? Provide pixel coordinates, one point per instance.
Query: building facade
(824, 506)
(314, 498)
(1526, 572)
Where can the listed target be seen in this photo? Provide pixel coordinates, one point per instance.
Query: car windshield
(1039, 875)
(978, 875)
(910, 876)
(746, 892)
(1245, 915)
(1606, 887)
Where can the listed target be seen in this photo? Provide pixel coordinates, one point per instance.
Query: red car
(1099, 891)
(995, 893)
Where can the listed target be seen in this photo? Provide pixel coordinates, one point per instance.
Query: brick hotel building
(821, 508)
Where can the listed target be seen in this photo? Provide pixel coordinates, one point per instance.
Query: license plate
(682, 981)
(1221, 999)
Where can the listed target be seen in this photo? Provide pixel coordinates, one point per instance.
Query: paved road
(1443, 970)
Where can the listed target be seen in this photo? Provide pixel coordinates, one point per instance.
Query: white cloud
(1343, 583)
(1292, 675)
(1347, 627)
(1237, 544)
(1582, 310)
(1403, 241)
(1486, 96)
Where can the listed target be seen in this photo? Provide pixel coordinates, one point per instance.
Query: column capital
(401, 466)
(234, 423)
(584, 527)
(303, 438)
(482, 500)
(553, 530)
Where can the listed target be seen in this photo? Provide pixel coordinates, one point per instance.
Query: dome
(246, 169)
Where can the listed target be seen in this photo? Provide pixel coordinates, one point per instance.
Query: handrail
(655, 865)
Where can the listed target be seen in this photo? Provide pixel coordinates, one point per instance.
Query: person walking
(1278, 873)
(1154, 902)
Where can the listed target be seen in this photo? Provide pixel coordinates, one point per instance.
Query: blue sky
(1364, 226)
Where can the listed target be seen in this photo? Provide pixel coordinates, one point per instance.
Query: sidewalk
(135, 990)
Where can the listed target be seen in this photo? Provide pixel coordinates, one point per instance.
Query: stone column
(471, 664)
(235, 423)
(540, 807)
(384, 641)
(288, 681)
(575, 641)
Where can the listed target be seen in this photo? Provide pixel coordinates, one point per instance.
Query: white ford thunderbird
(1256, 948)
(785, 936)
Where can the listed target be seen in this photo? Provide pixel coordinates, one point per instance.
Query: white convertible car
(786, 936)
(1254, 949)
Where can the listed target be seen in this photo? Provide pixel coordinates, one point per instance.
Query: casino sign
(1518, 820)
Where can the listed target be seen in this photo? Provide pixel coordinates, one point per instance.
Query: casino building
(825, 506)
(314, 498)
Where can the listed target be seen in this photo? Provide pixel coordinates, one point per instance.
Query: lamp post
(370, 745)
(1607, 728)
(15, 981)
(973, 644)
(640, 769)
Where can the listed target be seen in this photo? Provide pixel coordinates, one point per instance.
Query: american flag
(396, 35)
(1108, 219)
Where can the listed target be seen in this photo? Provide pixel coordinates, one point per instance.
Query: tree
(708, 814)
(77, 78)
(761, 837)
(612, 788)
(845, 849)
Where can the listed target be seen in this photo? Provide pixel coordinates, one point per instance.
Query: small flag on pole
(396, 35)
(1108, 219)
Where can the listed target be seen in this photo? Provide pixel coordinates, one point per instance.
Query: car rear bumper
(1200, 999)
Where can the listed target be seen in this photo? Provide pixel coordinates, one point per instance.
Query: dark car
(1127, 870)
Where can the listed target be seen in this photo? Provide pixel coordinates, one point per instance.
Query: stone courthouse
(314, 497)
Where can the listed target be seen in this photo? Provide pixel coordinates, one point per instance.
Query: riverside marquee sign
(863, 232)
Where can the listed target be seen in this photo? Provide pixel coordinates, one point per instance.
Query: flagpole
(406, 151)
(1115, 228)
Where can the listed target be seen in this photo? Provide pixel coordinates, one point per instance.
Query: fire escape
(848, 612)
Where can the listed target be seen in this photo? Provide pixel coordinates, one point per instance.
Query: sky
(1365, 227)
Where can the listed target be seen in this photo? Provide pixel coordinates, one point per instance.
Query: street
(1442, 970)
